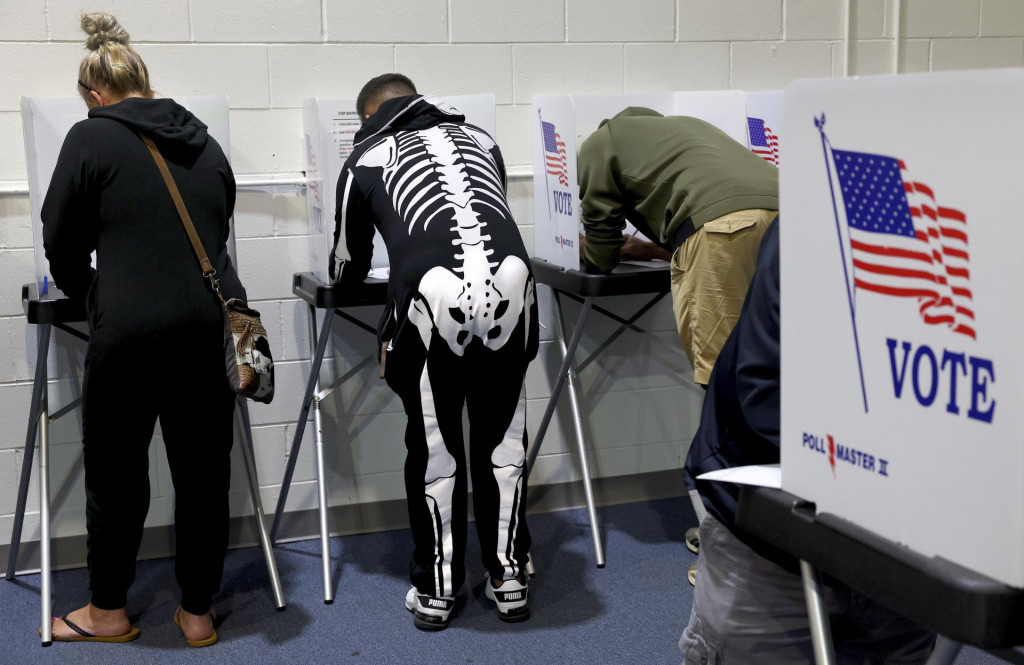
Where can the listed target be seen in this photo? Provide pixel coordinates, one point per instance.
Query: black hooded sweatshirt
(416, 165)
(108, 196)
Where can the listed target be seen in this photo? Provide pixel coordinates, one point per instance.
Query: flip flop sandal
(204, 642)
(86, 636)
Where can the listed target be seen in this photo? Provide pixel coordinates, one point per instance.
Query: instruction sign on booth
(902, 365)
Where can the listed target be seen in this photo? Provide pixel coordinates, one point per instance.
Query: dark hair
(384, 86)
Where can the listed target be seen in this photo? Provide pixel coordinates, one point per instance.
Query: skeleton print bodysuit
(459, 330)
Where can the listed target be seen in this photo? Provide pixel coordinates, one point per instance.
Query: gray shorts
(748, 610)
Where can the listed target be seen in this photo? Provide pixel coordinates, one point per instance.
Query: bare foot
(93, 620)
(195, 626)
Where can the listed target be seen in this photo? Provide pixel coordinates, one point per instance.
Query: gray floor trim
(157, 542)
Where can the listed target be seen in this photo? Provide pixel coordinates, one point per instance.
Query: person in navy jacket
(748, 603)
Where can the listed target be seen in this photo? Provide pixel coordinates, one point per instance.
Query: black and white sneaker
(429, 612)
(511, 598)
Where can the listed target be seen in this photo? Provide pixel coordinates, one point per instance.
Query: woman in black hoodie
(156, 336)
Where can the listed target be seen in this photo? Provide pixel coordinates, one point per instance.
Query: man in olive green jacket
(696, 192)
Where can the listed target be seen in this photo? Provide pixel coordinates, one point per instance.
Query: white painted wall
(267, 57)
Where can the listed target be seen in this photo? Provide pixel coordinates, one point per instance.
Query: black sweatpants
(179, 379)
(434, 384)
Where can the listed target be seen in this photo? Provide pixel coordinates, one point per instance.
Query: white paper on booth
(629, 231)
(760, 475)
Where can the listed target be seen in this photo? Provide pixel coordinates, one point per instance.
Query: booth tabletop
(940, 595)
(48, 309)
(625, 279)
(331, 296)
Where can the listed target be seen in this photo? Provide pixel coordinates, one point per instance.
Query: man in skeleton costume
(460, 329)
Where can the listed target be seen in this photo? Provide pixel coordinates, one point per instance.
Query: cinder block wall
(267, 56)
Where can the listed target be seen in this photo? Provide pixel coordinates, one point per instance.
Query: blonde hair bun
(103, 29)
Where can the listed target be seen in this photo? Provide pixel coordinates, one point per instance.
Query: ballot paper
(630, 231)
(760, 475)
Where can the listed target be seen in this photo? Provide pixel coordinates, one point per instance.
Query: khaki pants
(711, 272)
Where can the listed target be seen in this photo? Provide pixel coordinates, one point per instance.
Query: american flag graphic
(763, 141)
(554, 154)
(902, 243)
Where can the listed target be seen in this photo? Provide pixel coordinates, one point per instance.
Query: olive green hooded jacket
(658, 172)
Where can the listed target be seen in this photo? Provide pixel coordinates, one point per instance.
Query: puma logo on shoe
(512, 605)
(429, 612)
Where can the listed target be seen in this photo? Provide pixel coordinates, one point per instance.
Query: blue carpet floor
(631, 611)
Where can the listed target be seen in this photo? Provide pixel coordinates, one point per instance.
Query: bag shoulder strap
(186, 220)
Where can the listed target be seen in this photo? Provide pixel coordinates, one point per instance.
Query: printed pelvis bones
(475, 300)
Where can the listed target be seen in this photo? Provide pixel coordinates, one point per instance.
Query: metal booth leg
(318, 346)
(563, 374)
(248, 456)
(821, 630)
(577, 421)
(945, 652)
(45, 611)
(40, 418)
(38, 388)
(321, 474)
(312, 386)
(44, 515)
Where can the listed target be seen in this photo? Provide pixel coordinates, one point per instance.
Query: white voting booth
(902, 366)
(329, 126)
(562, 122)
(47, 121)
